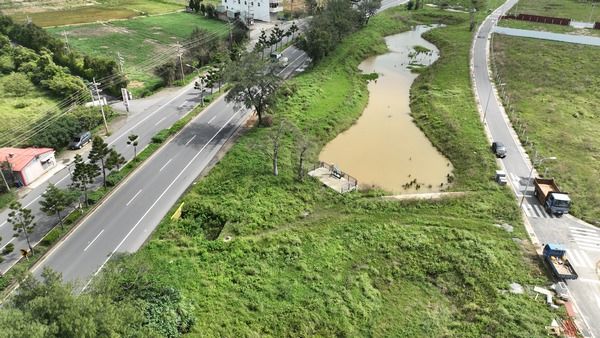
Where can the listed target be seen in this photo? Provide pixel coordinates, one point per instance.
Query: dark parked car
(80, 140)
(499, 149)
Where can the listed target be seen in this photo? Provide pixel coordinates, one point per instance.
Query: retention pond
(385, 148)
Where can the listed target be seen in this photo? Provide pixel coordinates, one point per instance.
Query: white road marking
(1, 225)
(35, 199)
(188, 142)
(62, 179)
(185, 91)
(158, 199)
(209, 121)
(183, 104)
(134, 196)
(574, 258)
(159, 121)
(8, 242)
(93, 240)
(163, 167)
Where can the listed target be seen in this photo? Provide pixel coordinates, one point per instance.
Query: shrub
(8, 248)
(17, 84)
(51, 237)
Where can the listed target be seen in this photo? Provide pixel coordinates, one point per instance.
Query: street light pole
(531, 173)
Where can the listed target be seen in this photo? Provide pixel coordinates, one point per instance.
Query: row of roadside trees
(55, 201)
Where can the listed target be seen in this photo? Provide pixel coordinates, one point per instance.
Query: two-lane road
(581, 239)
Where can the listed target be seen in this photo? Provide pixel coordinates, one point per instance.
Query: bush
(10, 247)
(17, 84)
(51, 237)
(161, 136)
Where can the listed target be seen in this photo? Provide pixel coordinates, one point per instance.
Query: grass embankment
(553, 88)
(141, 41)
(570, 9)
(58, 14)
(536, 26)
(307, 261)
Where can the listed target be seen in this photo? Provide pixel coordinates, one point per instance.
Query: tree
(203, 9)
(293, 29)
(167, 72)
(275, 136)
(273, 39)
(263, 41)
(84, 175)
(132, 140)
(210, 11)
(304, 148)
(99, 153)
(278, 33)
(55, 200)
(114, 160)
(253, 83)
(367, 9)
(17, 84)
(47, 307)
(22, 221)
(410, 5)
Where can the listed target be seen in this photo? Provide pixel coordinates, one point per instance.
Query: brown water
(385, 148)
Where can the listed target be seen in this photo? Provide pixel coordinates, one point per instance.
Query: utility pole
(120, 61)
(4, 179)
(97, 92)
(66, 41)
(180, 54)
(230, 37)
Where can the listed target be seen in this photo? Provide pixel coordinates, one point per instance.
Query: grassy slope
(573, 9)
(138, 40)
(548, 28)
(356, 265)
(562, 123)
(36, 103)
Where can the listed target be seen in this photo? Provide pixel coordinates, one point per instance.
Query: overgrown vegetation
(552, 87)
(296, 259)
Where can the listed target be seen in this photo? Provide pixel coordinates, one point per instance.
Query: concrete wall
(38, 166)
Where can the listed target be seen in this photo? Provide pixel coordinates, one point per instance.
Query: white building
(250, 10)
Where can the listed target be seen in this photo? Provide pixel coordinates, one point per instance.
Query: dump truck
(556, 256)
(554, 201)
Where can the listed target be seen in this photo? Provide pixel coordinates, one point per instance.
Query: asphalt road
(126, 219)
(151, 116)
(582, 240)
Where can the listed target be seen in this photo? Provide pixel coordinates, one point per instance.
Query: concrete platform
(341, 185)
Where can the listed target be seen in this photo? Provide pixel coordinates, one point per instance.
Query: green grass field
(306, 261)
(17, 112)
(103, 10)
(138, 40)
(571, 9)
(553, 87)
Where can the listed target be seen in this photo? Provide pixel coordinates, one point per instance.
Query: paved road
(126, 219)
(147, 118)
(526, 33)
(582, 240)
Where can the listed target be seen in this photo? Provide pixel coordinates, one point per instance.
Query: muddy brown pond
(384, 148)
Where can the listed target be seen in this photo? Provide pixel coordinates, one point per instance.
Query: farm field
(572, 9)
(140, 41)
(262, 255)
(560, 109)
(60, 14)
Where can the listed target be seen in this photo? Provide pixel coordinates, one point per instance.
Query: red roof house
(26, 165)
